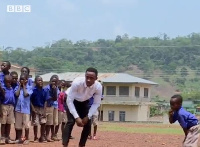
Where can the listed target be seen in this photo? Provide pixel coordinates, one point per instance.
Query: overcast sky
(75, 20)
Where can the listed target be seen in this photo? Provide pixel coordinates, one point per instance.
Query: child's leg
(192, 137)
(55, 125)
(52, 131)
(49, 123)
(95, 123)
(35, 130)
(10, 120)
(3, 130)
(35, 123)
(42, 132)
(95, 130)
(7, 128)
(18, 126)
(56, 130)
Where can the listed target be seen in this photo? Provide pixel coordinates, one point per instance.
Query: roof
(126, 78)
(104, 77)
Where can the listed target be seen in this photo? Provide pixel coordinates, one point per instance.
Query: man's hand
(79, 122)
(85, 120)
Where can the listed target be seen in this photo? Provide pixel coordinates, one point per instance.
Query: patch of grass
(131, 129)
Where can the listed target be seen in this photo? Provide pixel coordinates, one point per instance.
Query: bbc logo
(19, 8)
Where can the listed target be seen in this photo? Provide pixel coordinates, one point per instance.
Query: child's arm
(185, 131)
(32, 108)
(2, 91)
(17, 92)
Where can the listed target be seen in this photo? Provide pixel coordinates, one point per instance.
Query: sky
(52, 20)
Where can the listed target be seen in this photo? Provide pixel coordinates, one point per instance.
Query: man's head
(91, 76)
(14, 76)
(8, 80)
(5, 66)
(176, 102)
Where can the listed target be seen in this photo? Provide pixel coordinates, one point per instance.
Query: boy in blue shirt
(38, 106)
(22, 109)
(5, 66)
(52, 107)
(187, 121)
(7, 109)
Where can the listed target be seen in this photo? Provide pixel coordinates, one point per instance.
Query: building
(126, 98)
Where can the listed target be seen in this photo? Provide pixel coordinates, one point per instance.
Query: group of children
(24, 100)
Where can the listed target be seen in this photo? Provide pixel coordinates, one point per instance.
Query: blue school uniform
(51, 94)
(23, 103)
(39, 97)
(9, 98)
(2, 79)
(185, 118)
(30, 83)
(15, 88)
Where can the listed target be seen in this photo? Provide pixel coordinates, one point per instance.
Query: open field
(124, 135)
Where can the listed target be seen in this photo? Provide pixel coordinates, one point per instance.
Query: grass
(144, 128)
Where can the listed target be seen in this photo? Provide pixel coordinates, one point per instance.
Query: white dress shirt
(80, 92)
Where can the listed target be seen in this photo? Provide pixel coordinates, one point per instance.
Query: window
(111, 90)
(146, 92)
(124, 90)
(111, 115)
(137, 91)
(122, 115)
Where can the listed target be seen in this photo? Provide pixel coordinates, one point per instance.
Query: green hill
(173, 63)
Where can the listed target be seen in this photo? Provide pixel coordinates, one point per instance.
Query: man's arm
(70, 100)
(97, 101)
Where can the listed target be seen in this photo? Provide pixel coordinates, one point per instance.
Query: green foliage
(117, 55)
(154, 111)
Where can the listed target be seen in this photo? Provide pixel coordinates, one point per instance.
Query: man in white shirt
(81, 90)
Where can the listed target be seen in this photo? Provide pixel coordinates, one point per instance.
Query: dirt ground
(115, 139)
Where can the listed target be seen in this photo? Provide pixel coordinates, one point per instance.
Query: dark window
(124, 90)
(122, 115)
(146, 92)
(111, 115)
(111, 90)
(137, 91)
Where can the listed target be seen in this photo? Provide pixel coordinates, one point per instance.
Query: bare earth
(115, 139)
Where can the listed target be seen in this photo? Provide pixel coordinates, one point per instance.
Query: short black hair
(37, 78)
(177, 96)
(68, 84)
(54, 76)
(26, 69)
(13, 73)
(8, 63)
(91, 69)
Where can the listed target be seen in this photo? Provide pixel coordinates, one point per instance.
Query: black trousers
(82, 109)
